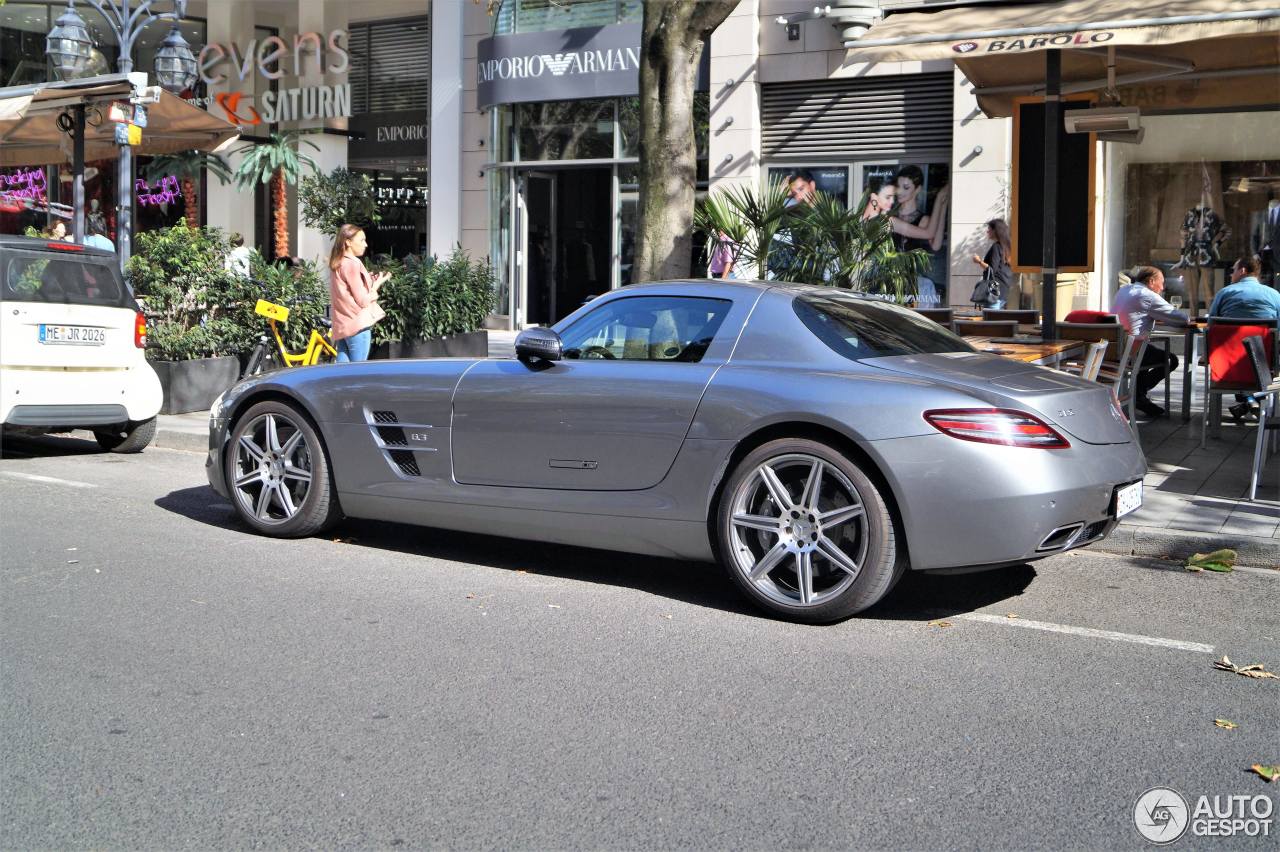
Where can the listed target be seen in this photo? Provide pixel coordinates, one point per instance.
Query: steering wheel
(598, 352)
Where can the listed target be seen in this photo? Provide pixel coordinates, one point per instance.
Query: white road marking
(49, 480)
(1087, 632)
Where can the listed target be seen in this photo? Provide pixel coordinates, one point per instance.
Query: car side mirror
(539, 343)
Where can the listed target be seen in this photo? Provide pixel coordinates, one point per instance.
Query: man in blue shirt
(1245, 298)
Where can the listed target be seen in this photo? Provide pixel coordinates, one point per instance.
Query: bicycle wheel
(253, 366)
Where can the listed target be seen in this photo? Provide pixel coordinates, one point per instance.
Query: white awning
(30, 136)
(1178, 55)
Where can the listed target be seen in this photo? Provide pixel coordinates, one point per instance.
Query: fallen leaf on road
(1010, 615)
(1221, 561)
(940, 623)
(1268, 773)
(1256, 670)
(1226, 723)
(470, 596)
(666, 616)
(554, 606)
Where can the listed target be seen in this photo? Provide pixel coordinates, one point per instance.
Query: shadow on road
(917, 597)
(46, 446)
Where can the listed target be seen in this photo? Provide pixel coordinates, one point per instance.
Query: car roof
(713, 286)
(42, 244)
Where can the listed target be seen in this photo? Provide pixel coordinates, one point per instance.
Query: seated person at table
(1245, 298)
(1139, 306)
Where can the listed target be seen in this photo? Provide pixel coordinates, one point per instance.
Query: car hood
(1081, 408)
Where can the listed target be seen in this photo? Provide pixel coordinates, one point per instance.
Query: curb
(172, 439)
(1178, 545)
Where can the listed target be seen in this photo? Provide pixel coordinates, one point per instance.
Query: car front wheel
(278, 472)
(806, 534)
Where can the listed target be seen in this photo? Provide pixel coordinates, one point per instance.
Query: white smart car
(72, 343)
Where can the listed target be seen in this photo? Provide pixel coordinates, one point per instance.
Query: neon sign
(24, 185)
(166, 192)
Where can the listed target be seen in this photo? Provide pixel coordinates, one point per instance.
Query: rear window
(859, 328)
(62, 280)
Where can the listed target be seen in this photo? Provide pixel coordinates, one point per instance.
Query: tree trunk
(671, 45)
(191, 202)
(280, 213)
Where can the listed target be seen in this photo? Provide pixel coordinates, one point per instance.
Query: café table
(1189, 335)
(1029, 350)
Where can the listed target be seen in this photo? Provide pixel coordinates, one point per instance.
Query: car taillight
(65, 246)
(996, 426)
(140, 330)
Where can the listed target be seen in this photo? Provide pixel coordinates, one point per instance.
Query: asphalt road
(168, 680)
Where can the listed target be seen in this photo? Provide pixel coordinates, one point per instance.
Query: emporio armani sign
(559, 65)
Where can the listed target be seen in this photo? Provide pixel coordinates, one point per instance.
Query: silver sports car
(814, 442)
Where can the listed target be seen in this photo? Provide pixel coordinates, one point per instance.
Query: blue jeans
(355, 347)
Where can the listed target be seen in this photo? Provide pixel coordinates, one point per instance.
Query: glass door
(536, 258)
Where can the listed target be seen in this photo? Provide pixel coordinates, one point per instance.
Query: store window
(391, 101)
(1193, 219)
(23, 27)
(564, 130)
(528, 16)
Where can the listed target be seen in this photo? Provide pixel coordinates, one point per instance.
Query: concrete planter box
(471, 344)
(194, 385)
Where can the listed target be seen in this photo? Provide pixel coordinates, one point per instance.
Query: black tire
(746, 545)
(254, 365)
(303, 511)
(135, 437)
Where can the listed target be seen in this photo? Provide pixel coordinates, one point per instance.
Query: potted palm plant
(278, 162)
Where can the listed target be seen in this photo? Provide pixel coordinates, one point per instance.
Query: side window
(647, 328)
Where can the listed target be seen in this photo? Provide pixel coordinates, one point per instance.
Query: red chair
(1092, 317)
(1227, 368)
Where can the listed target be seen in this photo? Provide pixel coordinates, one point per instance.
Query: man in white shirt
(238, 259)
(1139, 306)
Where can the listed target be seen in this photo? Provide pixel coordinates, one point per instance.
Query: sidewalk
(1194, 500)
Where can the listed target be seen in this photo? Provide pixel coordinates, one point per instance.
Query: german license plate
(1128, 499)
(72, 335)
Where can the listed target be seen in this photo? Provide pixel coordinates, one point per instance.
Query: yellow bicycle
(319, 347)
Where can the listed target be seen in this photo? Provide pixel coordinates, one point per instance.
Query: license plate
(1128, 499)
(72, 335)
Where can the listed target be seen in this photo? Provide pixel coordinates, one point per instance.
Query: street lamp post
(70, 48)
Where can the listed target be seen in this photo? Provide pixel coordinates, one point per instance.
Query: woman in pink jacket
(353, 295)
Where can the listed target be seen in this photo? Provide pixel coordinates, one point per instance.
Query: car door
(611, 415)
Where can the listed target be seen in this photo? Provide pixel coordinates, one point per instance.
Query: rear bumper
(48, 397)
(968, 504)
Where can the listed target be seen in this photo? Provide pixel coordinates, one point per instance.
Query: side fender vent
(392, 436)
(405, 460)
(385, 417)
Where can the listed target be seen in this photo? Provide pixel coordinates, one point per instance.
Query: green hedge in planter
(426, 298)
(179, 275)
(196, 308)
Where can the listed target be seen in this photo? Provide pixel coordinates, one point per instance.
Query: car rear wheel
(278, 472)
(806, 534)
(135, 437)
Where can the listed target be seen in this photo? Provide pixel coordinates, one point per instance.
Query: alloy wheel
(798, 530)
(273, 468)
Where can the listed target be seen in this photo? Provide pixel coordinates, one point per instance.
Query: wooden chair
(1226, 361)
(1266, 394)
(1126, 376)
(942, 316)
(1113, 334)
(982, 328)
(1089, 366)
(1020, 317)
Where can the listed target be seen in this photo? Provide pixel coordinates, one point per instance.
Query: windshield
(859, 328)
(62, 280)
